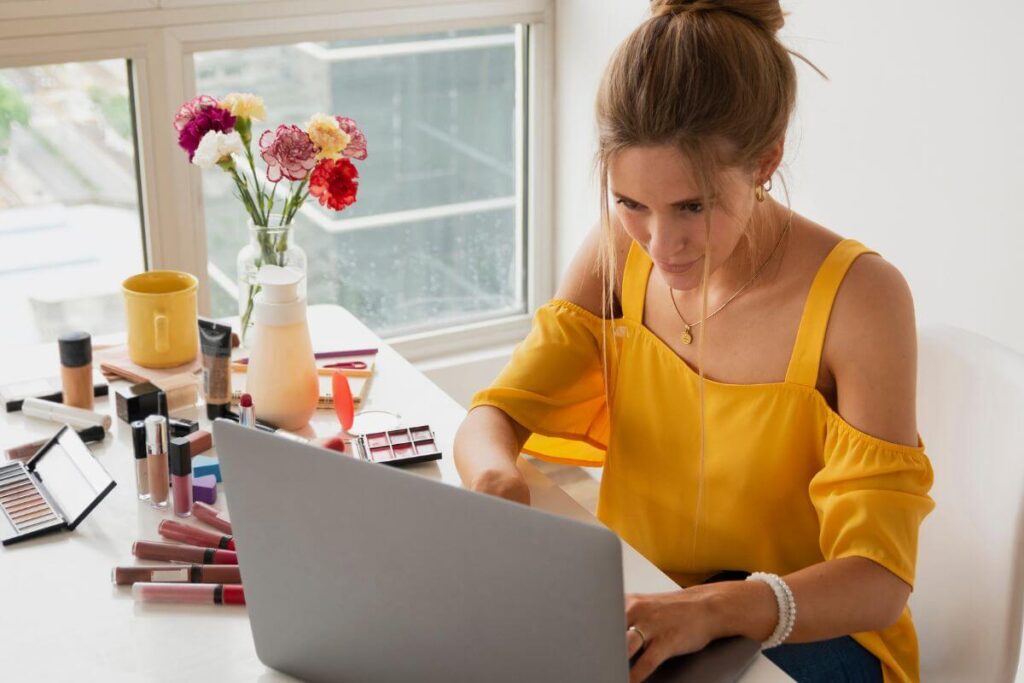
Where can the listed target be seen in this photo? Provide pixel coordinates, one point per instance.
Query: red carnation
(333, 182)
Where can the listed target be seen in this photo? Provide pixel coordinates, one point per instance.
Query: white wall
(914, 147)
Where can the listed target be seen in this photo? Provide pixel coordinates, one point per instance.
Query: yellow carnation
(245, 105)
(327, 135)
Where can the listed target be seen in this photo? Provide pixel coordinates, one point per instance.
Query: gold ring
(643, 638)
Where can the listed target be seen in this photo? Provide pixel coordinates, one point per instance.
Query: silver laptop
(360, 572)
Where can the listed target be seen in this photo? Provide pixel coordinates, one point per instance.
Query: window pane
(433, 238)
(70, 230)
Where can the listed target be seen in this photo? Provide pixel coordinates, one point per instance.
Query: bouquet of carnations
(315, 160)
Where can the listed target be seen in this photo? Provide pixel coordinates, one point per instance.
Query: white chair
(969, 595)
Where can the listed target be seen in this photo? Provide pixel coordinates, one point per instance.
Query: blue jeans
(840, 660)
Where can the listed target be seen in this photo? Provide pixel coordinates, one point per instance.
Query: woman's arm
(487, 446)
(871, 351)
(488, 442)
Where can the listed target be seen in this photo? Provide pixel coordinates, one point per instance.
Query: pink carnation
(288, 153)
(187, 111)
(357, 146)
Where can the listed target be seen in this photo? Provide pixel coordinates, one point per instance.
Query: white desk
(60, 617)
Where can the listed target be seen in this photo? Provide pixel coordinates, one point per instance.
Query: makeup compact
(399, 446)
(58, 487)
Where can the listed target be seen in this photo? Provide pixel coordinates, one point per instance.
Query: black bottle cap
(75, 349)
(179, 455)
(139, 439)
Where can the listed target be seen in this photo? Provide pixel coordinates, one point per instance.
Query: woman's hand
(675, 623)
(505, 483)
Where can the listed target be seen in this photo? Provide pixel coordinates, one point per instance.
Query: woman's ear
(770, 161)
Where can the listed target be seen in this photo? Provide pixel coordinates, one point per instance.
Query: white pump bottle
(282, 374)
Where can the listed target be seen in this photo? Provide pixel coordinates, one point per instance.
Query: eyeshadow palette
(401, 446)
(58, 487)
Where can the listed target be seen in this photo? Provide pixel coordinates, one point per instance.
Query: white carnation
(215, 146)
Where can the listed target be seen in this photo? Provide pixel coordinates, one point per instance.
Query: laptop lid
(357, 572)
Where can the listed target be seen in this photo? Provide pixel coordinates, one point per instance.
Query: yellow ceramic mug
(160, 309)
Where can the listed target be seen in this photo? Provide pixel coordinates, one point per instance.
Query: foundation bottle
(76, 369)
(156, 457)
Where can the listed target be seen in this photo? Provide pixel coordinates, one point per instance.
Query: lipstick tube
(247, 411)
(189, 593)
(210, 515)
(186, 573)
(183, 533)
(172, 552)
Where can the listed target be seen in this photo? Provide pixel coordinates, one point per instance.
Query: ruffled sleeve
(871, 496)
(554, 385)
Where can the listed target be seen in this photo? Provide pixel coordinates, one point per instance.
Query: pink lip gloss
(211, 515)
(189, 593)
(183, 533)
(181, 476)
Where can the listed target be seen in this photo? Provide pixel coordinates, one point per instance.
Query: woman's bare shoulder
(581, 283)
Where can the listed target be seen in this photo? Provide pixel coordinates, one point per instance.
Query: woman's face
(657, 200)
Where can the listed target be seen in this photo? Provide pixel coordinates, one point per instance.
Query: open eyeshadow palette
(58, 487)
(401, 446)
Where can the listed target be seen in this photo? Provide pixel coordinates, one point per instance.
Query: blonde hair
(710, 78)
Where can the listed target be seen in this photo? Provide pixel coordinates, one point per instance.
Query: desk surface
(63, 620)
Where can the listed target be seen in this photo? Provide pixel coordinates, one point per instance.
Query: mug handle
(160, 325)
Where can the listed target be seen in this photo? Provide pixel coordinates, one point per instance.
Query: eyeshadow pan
(16, 491)
(379, 440)
(377, 454)
(25, 504)
(403, 450)
(423, 447)
(20, 497)
(399, 436)
(422, 434)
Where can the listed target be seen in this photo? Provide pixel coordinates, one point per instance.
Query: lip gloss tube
(181, 476)
(183, 533)
(186, 573)
(210, 515)
(189, 593)
(156, 455)
(141, 459)
(172, 552)
(58, 412)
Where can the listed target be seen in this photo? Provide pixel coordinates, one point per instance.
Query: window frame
(160, 38)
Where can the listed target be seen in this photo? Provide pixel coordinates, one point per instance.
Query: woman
(745, 376)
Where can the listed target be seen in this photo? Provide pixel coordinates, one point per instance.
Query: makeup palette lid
(74, 480)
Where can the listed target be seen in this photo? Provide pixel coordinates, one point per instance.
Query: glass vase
(268, 245)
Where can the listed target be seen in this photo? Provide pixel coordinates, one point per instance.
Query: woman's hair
(710, 78)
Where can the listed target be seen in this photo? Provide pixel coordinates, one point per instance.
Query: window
(70, 227)
(436, 237)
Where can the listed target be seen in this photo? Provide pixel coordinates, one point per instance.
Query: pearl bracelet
(786, 604)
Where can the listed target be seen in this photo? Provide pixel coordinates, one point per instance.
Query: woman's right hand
(510, 485)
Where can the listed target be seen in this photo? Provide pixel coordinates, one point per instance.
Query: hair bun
(766, 14)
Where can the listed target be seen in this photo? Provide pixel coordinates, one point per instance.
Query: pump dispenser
(282, 375)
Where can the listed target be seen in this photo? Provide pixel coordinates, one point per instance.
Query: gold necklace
(687, 335)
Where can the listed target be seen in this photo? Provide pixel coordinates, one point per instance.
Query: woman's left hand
(672, 624)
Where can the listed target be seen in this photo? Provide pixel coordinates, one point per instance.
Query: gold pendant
(686, 337)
